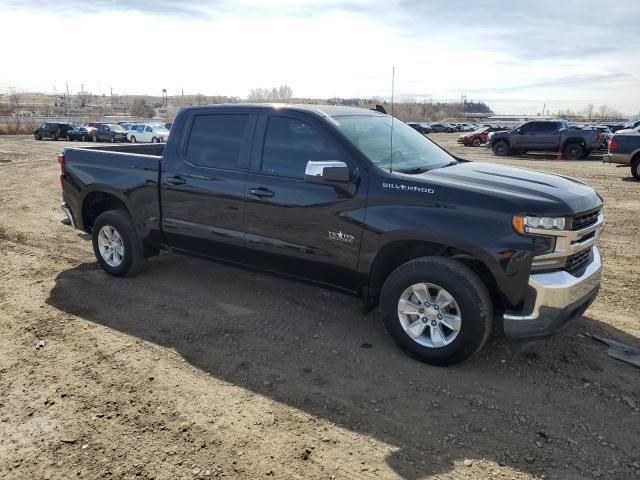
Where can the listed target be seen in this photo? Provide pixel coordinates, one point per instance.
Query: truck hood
(526, 190)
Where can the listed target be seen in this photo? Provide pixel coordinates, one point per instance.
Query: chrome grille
(583, 221)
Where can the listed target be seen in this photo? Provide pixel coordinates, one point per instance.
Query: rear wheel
(37, 136)
(500, 149)
(132, 139)
(95, 139)
(437, 310)
(113, 139)
(635, 167)
(82, 138)
(477, 142)
(116, 244)
(154, 140)
(572, 151)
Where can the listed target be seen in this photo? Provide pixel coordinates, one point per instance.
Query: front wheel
(154, 140)
(116, 244)
(132, 139)
(635, 168)
(113, 139)
(95, 139)
(437, 310)
(477, 142)
(500, 149)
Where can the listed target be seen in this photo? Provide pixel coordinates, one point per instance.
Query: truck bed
(126, 173)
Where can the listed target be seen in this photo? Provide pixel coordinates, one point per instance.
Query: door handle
(261, 192)
(176, 180)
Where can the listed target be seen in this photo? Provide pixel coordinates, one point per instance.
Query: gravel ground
(196, 370)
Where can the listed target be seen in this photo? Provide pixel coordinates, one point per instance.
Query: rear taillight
(61, 162)
(613, 145)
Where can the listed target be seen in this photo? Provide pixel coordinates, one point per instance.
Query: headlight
(524, 224)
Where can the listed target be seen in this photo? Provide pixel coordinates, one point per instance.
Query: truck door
(202, 184)
(548, 135)
(299, 228)
(525, 137)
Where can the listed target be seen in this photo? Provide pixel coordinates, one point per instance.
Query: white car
(148, 132)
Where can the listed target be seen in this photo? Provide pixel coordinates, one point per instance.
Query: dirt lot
(196, 370)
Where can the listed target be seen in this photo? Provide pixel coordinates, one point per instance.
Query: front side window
(216, 140)
(412, 152)
(290, 143)
(148, 129)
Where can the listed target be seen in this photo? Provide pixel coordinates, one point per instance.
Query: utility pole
(111, 95)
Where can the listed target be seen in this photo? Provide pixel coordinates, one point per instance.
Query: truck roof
(323, 110)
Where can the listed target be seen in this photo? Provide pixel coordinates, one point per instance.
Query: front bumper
(559, 298)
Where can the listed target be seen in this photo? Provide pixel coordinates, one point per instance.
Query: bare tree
(140, 108)
(282, 93)
(588, 111)
(603, 110)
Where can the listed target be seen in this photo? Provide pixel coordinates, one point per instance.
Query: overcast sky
(514, 55)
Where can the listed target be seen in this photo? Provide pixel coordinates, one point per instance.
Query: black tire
(113, 139)
(154, 140)
(133, 257)
(500, 149)
(132, 139)
(477, 142)
(82, 138)
(572, 151)
(95, 138)
(68, 138)
(635, 167)
(37, 136)
(471, 295)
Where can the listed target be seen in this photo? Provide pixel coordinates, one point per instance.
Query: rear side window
(548, 127)
(290, 143)
(216, 140)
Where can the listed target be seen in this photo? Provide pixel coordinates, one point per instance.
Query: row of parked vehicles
(426, 128)
(105, 132)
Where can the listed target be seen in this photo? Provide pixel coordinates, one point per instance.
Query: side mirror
(329, 171)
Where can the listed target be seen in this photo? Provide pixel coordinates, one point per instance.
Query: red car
(479, 136)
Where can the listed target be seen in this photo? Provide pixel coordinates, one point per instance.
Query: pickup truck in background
(624, 149)
(545, 136)
(443, 245)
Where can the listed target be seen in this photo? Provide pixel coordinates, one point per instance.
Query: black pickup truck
(546, 136)
(445, 246)
(624, 149)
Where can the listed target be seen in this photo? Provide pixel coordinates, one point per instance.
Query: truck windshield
(412, 152)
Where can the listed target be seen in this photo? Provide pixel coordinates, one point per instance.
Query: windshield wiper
(413, 171)
(450, 164)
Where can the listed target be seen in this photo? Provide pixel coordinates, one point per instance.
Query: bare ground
(197, 370)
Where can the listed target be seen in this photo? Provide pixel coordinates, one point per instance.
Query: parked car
(445, 246)
(52, 130)
(605, 135)
(148, 132)
(478, 137)
(629, 131)
(632, 124)
(419, 127)
(545, 136)
(625, 150)
(441, 127)
(110, 132)
(79, 133)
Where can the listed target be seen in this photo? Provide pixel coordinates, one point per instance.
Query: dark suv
(53, 130)
(110, 133)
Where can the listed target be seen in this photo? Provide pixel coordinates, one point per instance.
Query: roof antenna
(393, 79)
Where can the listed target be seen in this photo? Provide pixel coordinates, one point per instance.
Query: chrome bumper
(621, 158)
(559, 298)
(68, 213)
